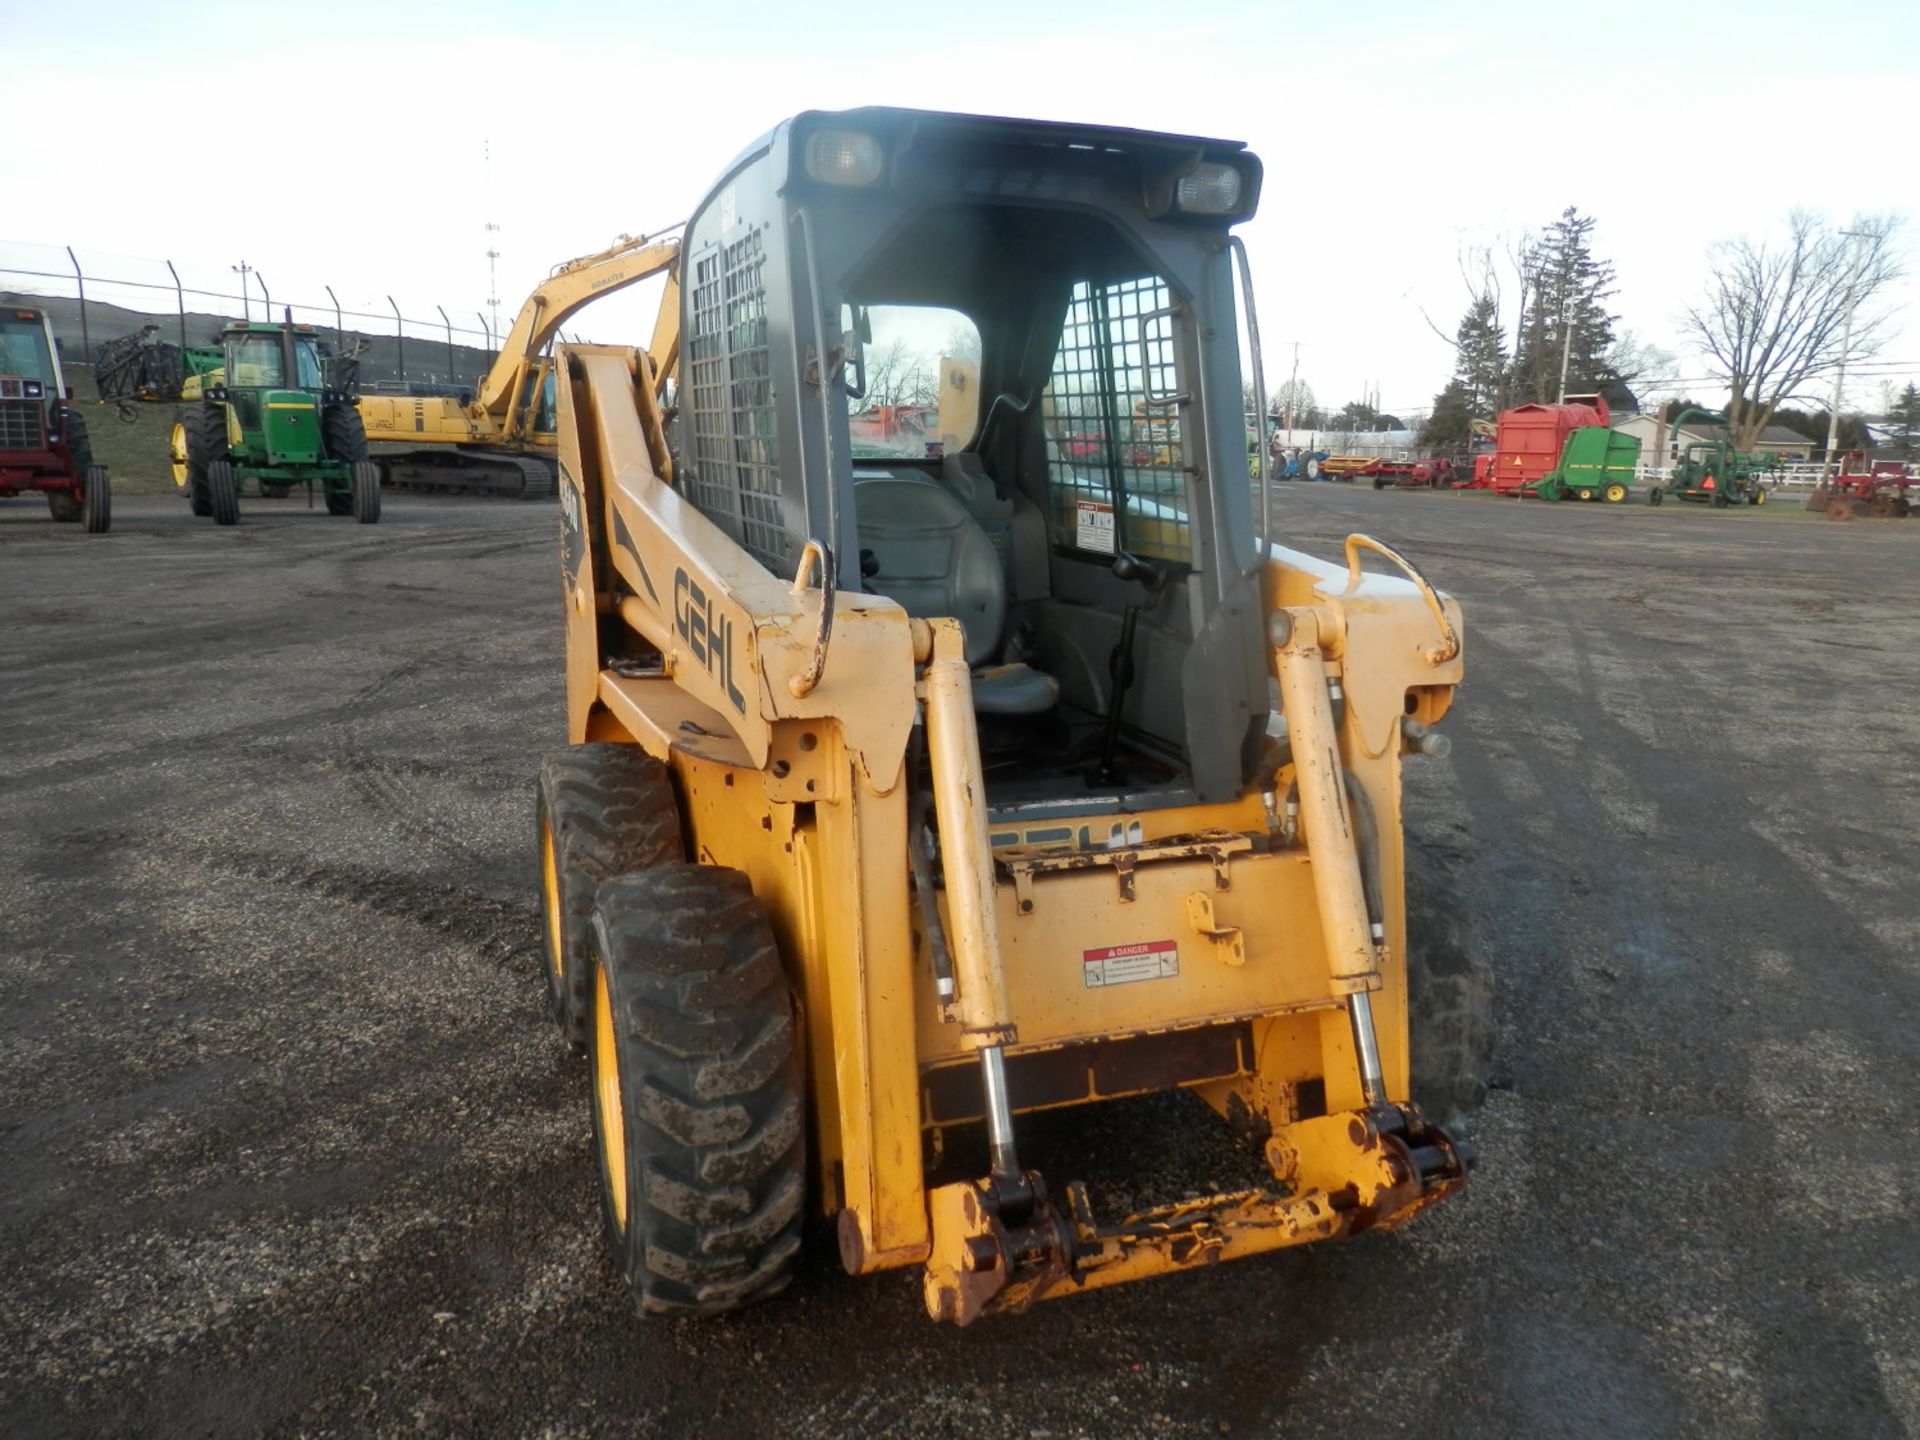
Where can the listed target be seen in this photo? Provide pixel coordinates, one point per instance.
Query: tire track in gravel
(1645, 940)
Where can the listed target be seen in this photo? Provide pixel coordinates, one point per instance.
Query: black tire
(1379, 482)
(63, 505)
(206, 442)
(98, 504)
(339, 502)
(599, 811)
(223, 495)
(1655, 494)
(365, 499)
(74, 426)
(343, 434)
(698, 1106)
(1449, 994)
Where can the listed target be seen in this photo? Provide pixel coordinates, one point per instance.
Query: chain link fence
(92, 297)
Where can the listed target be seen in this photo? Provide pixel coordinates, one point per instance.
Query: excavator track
(471, 471)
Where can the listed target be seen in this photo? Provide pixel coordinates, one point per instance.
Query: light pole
(243, 270)
(1846, 343)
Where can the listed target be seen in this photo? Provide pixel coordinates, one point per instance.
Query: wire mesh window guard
(735, 475)
(1116, 461)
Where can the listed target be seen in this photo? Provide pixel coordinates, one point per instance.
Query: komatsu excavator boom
(502, 440)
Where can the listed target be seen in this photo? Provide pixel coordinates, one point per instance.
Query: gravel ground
(287, 1144)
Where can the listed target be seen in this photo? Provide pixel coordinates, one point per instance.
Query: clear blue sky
(1395, 134)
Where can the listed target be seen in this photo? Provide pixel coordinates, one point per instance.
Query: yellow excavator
(502, 441)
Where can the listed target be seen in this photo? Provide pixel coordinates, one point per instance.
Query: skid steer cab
(263, 415)
(949, 742)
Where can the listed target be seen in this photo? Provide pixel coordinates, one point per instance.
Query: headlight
(1209, 190)
(844, 157)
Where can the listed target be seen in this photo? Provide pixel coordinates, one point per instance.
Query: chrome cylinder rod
(1366, 1047)
(993, 1078)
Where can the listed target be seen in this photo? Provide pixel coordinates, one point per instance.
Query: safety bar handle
(815, 556)
(1449, 646)
(1148, 394)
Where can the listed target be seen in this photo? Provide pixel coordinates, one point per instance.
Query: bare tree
(1774, 315)
(1641, 365)
(899, 375)
(1293, 403)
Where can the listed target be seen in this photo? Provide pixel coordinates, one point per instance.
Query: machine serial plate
(1125, 964)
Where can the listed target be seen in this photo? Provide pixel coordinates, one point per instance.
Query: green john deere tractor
(264, 414)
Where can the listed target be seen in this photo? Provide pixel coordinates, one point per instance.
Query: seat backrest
(934, 557)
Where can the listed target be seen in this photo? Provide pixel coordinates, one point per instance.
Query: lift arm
(555, 300)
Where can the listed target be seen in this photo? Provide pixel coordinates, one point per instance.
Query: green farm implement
(1596, 464)
(1714, 473)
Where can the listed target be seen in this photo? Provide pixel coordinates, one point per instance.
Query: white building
(1663, 445)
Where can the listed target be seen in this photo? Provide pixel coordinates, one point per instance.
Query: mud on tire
(1449, 993)
(599, 811)
(698, 1107)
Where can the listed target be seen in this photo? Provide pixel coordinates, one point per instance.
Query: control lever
(1120, 663)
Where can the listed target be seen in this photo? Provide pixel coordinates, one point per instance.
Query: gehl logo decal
(708, 636)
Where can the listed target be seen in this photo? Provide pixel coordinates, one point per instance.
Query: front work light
(1209, 190)
(844, 157)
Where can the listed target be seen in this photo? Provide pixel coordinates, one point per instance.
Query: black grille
(735, 475)
(1111, 449)
(23, 425)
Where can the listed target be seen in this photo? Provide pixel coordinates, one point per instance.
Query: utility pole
(243, 270)
(1846, 342)
(1566, 345)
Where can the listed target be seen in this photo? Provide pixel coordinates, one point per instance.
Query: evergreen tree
(1481, 363)
(1448, 427)
(1905, 417)
(1479, 378)
(1566, 293)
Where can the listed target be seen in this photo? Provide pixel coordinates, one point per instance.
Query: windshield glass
(23, 350)
(255, 360)
(921, 397)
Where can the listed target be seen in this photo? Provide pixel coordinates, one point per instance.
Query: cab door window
(1116, 458)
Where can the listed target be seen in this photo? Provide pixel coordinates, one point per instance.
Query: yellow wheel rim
(550, 898)
(606, 1082)
(177, 450)
(1616, 493)
(1759, 497)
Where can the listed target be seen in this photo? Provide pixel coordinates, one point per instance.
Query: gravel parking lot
(288, 1145)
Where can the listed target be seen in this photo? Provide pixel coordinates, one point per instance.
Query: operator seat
(936, 560)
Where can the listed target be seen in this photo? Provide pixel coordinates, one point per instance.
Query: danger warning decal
(1093, 526)
(1124, 964)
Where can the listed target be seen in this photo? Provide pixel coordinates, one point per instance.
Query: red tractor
(43, 440)
(1864, 486)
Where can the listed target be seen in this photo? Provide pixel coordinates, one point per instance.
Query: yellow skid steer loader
(930, 785)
